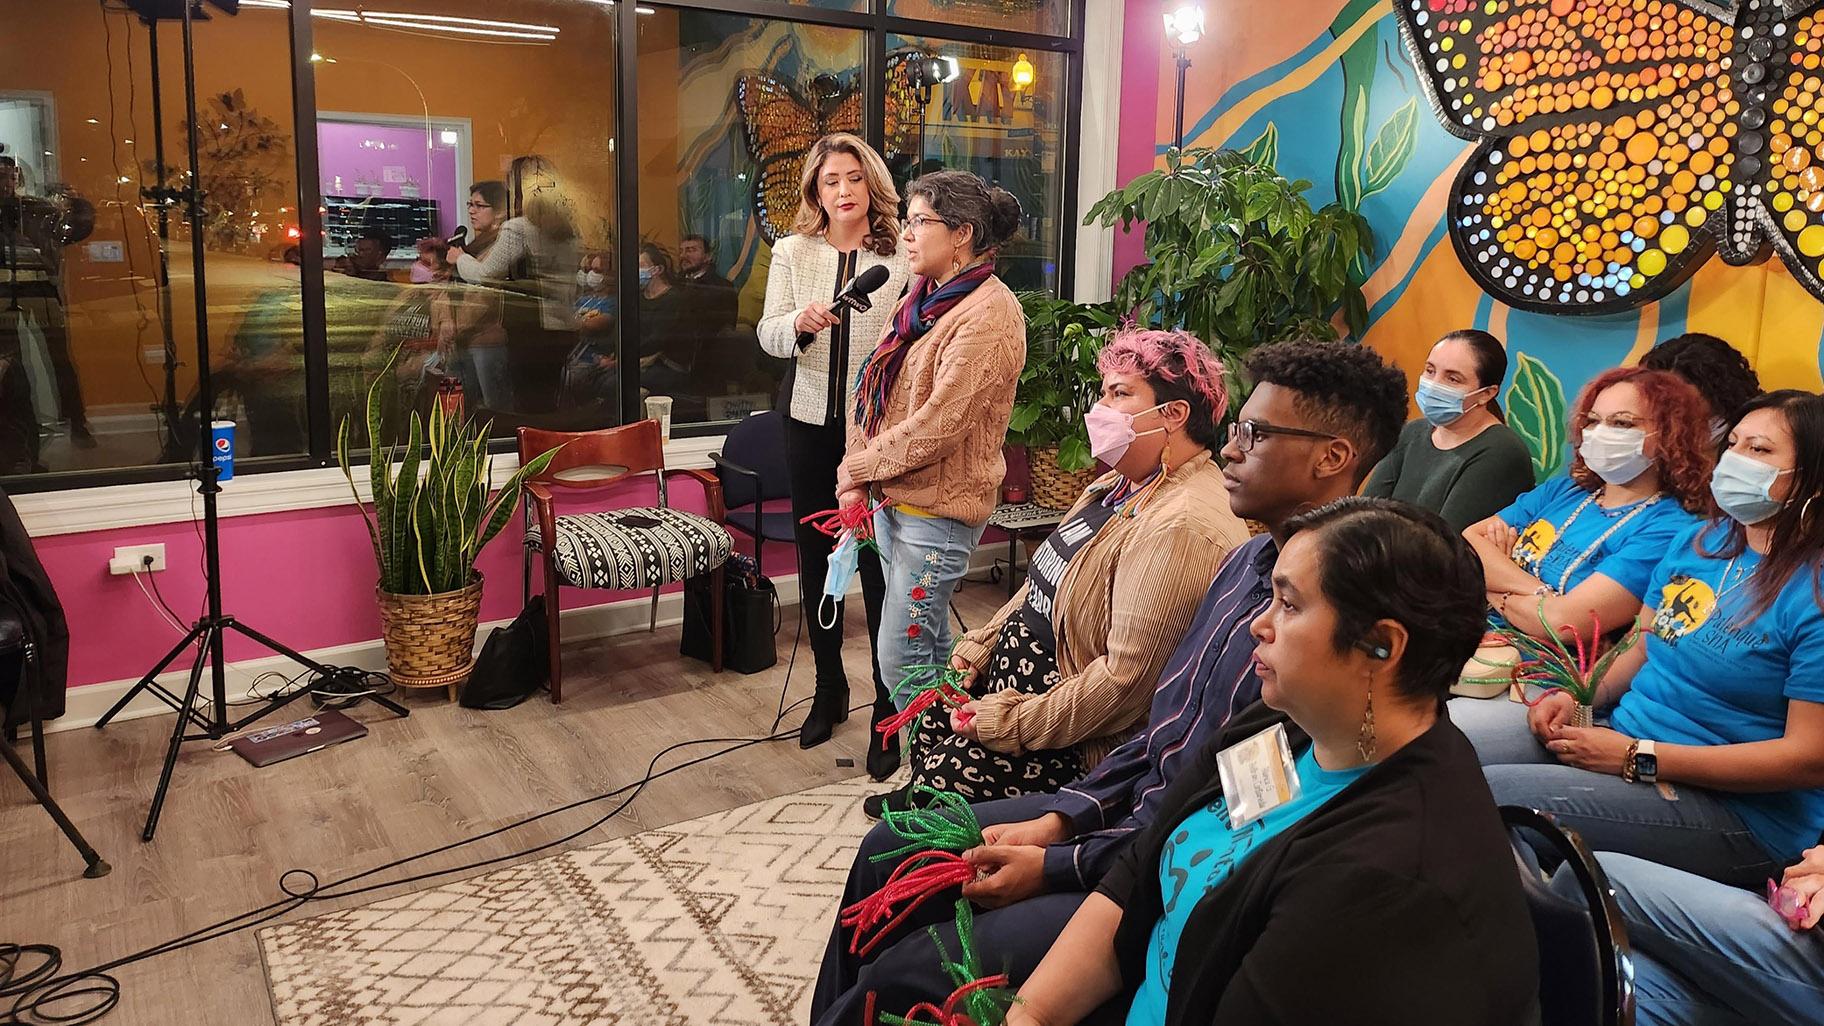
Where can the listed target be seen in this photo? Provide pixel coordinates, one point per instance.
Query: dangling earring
(1364, 742)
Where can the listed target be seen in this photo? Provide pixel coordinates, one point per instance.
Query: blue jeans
(1709, 955)
(929, 554)
(486, 377)
(1686, 827)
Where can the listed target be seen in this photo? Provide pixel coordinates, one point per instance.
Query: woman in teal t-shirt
(1389, 861)
(1713, 757)
(1586, 543)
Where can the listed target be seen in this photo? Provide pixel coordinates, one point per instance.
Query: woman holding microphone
(847, 223)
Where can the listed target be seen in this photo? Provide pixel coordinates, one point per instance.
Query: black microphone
(460, 238)
(854, 296)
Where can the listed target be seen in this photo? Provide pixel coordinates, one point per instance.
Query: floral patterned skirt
(946, 761)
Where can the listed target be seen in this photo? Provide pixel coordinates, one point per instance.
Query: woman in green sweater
(1460, 459)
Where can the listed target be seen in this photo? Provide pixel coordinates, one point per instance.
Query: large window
(613, 176)
(998, 117)
(727, 106)
(97, 297)
(500, 128)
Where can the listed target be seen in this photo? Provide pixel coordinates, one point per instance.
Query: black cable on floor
(40, 995)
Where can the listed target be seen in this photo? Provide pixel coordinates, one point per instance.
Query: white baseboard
(85, 705)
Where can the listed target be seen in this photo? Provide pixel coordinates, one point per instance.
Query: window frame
(874, 21)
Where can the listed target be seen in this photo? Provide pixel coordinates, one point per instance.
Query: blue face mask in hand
(1742, 485)
(1441, 404)
(844, 559)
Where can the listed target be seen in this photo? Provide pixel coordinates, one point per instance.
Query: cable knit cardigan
(939, 448)
(1124, 603)
(804, 271)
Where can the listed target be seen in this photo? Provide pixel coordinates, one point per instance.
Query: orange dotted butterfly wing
(901, 103)
(779, 127)
(1786, 131)
(1606, 131)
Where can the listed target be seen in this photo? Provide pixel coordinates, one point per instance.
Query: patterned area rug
(720, 920)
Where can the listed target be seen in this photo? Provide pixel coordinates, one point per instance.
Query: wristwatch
(1645, 762)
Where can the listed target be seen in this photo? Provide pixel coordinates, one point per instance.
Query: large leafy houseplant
(432, 517)
(1060, 381)
(1236, 255)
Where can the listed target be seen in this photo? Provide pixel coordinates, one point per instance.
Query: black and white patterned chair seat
(640, 547)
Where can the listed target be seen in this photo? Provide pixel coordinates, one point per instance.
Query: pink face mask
(1111, 431)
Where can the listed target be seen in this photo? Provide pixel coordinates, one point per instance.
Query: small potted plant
(1056, 389)
(430, 519)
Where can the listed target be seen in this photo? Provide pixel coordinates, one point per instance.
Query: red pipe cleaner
(913, 882)
(916, 708)
(857, 517)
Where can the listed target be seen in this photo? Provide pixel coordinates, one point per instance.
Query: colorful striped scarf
(929, 301)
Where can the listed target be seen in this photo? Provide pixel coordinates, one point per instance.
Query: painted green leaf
(1391, 149)
(1265, 150)
(1535, 410)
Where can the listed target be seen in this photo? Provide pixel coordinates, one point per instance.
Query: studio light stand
(209, 632)
(1183, 26)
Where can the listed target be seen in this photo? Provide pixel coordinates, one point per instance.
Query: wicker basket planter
(1052, 487)
(430, 639)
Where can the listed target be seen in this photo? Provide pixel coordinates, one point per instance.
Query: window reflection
(728, 106)
(469, 193)
(998, 117)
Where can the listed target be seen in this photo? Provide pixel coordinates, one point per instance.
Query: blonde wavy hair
(883, 198)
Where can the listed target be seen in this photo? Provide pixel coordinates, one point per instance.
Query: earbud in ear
(1375, 650)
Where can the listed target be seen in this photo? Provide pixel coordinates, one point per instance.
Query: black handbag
(515, 662)
(750, 617)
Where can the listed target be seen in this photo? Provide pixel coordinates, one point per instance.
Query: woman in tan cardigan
(1065, 670)
(930, 413)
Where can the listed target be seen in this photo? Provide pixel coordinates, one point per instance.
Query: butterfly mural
(779, 124)
(1622, 143)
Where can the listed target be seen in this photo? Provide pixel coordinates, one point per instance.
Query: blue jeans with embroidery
(924, 559)
(1710, 955)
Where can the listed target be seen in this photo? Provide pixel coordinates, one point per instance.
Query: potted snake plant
(431, 517)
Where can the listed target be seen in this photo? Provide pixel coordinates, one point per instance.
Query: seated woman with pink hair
(1065, 671)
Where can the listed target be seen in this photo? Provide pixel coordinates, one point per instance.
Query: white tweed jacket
(806, 269)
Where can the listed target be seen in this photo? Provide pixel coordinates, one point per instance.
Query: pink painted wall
(306, 578)
(1142, 41)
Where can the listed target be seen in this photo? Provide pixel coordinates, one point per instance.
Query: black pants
(904, 969)
(813, 453)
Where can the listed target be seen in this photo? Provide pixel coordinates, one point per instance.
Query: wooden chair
(620, 549)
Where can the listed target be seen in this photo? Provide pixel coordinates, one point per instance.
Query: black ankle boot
(897, 800)
(883, 754)
(828, 708)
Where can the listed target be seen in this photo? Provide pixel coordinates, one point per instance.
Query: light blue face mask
(646, 275)
(1441, 404)
(1742, 485)
(844, 559)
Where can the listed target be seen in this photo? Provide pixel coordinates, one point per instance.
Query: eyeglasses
(1245, 433)
(918, 221)
(479, 205)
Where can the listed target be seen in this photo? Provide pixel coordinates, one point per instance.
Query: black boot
(883, 753)
(897, 800)
(829, 707)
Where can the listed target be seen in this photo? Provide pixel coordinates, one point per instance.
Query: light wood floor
(229, 830)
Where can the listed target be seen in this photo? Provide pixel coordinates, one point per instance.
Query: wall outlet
(129, 558)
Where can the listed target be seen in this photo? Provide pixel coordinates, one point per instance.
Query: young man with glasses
(1320, 417)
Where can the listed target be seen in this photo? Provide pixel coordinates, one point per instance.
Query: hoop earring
(1364, 741)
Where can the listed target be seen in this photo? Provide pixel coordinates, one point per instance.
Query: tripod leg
(97, 867)
(177, 740)
(149, 681)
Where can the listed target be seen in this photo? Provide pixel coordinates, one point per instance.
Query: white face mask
(1617, 455)
(589, 279)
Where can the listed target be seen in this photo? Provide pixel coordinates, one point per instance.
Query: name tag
(1258, 775)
